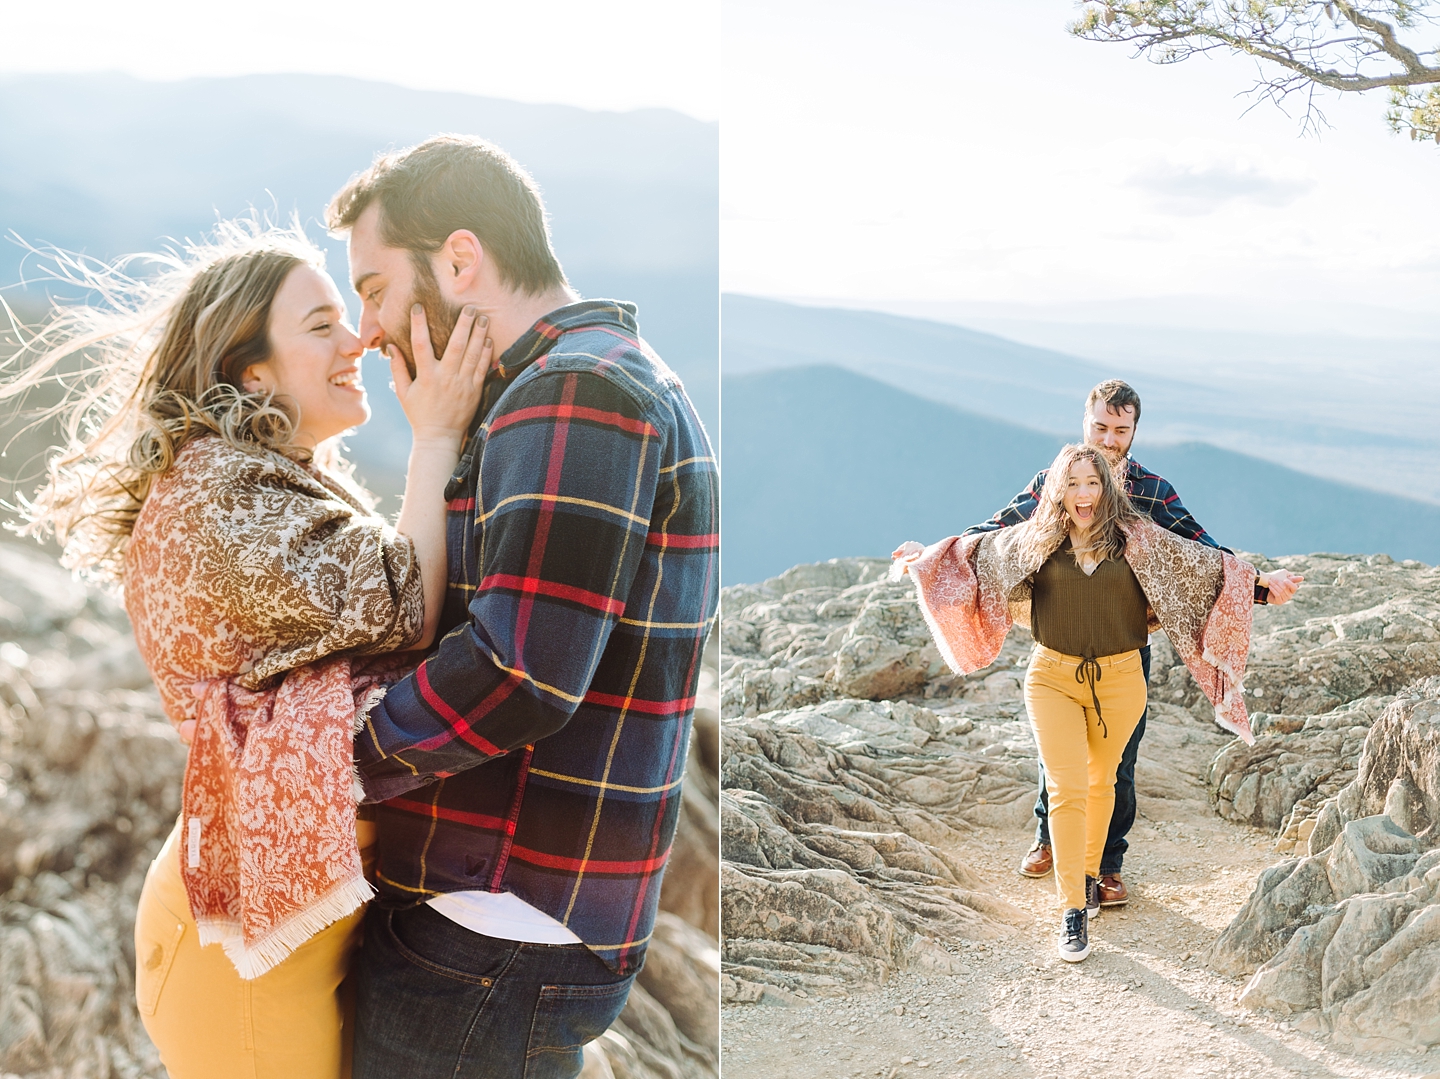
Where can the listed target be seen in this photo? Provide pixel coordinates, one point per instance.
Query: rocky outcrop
(831, 816)
(841, 629)
(849, 755)
(90, 776)
(820, 632)
(837, 801)
(1352, 932)
(89, 787)
(1322, 669)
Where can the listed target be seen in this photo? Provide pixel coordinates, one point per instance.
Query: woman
(1091, 577)
(203, 472)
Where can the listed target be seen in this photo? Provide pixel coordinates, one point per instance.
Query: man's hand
(1282, 584)
(441, 399)
(902, 556)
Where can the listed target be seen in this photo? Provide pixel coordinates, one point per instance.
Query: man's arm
(1021, 508)
(567, 483)
(1167, 511)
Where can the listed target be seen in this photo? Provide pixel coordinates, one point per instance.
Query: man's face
(390, 281)
(1112, 430)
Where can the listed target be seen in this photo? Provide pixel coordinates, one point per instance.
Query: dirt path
(1141, 1005)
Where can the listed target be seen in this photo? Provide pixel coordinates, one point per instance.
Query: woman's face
(1082, 493)
(314, 358)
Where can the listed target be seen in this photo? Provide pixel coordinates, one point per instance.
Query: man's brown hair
(453, 182)
(1117, 396)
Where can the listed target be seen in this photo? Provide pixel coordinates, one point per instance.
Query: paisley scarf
(972, 589)
(255, 585)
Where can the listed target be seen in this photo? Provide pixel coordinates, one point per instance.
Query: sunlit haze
(639, 54)
(934, 151)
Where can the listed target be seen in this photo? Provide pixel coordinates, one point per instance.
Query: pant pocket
(157, 940)
(566, 1017)
(1130, 665)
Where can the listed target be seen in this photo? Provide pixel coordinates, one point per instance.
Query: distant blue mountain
(821, 462)
(108, 164)
(1039, 387)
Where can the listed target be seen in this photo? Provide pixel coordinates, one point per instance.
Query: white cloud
(1191, 188)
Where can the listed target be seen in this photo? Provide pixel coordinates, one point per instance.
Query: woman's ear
(252, 379)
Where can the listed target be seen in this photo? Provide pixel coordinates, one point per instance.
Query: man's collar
(538, 339)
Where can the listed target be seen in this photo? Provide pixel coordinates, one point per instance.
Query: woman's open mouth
(349, 379)
(1084, 512)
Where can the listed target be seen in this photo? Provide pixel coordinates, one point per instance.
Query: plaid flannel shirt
(1150, 493)
(539, 750)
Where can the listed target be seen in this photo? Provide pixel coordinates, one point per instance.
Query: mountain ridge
(821, 462)
(1331, 429)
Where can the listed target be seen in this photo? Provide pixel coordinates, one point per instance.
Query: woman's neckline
(1089, 570)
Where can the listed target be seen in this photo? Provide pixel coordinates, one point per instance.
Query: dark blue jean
(437, 1001)
(1122, 818)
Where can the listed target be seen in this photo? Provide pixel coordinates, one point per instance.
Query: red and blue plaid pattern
(1151, 495)
(539, 750)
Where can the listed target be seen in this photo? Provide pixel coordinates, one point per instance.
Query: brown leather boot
(1038, 861)
(1112, 891)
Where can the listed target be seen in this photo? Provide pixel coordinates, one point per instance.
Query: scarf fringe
(1234, 692)
(255, 959)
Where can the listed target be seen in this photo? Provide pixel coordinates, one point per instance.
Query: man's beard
(1116, 458)
(440, 314)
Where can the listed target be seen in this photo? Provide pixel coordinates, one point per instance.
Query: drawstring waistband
(1089, 670)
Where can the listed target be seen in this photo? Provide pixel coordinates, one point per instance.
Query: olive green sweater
(1103, 614)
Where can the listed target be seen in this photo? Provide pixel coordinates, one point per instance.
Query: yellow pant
(1080, 753)
(209, 1023)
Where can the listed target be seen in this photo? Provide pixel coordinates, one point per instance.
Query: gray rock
(1399, 1009)
(1291, 981)
(1325, 667)
(89, 787)
(833, 630)
(1370, 852)
(1364, 956)
(1287, 896)
(830, 816)
(836, 806)
(826, 771)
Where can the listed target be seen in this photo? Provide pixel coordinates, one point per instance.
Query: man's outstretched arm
(567, 484)
(1021, 508)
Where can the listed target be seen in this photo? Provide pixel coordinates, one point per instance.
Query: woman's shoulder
(216, 488)
(212, 469)
(211, 458)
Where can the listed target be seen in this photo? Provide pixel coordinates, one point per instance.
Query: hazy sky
(625, 54)
(958, 150)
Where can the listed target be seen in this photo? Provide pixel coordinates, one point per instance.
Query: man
(528, 774)
(1112, 412)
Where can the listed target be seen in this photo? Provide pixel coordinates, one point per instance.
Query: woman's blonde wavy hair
(153, 364)
(1050, 525)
